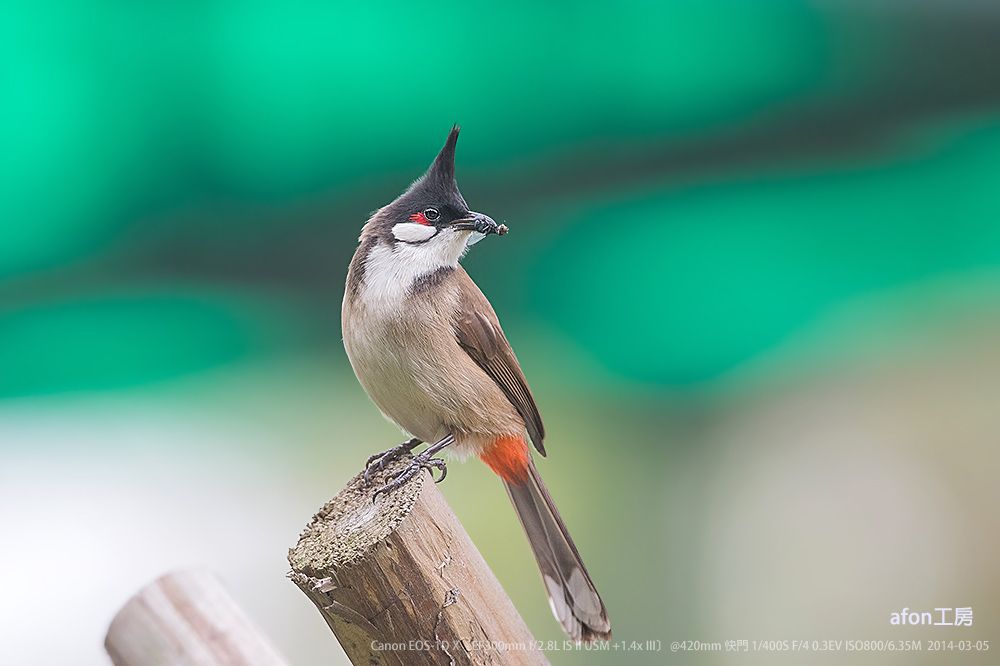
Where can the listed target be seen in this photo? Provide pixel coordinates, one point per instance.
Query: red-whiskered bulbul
(428, 348)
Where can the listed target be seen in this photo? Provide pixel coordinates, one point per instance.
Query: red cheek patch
(420, 218)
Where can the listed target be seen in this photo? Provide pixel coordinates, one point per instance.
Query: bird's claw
(419, 462)
(379, 461)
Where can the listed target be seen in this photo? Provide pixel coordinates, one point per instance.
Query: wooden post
(400, 583)
(186, 618)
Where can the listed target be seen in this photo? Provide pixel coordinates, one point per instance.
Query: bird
(426, 345)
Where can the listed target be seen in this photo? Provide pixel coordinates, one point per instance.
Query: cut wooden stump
(400, 582)
(187, 618)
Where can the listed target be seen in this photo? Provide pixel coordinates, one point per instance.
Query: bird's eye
(432, 214)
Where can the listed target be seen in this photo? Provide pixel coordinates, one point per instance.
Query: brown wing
(479, 334)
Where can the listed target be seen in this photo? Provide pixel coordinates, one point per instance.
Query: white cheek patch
(412, 232)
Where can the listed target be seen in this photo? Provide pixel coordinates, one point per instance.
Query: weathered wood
(187, 618)
(399, 582)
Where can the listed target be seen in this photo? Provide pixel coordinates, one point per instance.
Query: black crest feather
(443, 168)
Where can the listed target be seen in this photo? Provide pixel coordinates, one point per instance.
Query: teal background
(753, 277)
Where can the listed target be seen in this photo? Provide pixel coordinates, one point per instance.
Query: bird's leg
(423, 460)
(377, 462)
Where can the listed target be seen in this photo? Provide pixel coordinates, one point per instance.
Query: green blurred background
(753, 277)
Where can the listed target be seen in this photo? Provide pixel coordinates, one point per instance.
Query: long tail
(572, 595)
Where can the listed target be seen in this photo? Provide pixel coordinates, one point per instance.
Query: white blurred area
(116, 490)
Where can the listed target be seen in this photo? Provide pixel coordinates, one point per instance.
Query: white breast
(378, 326)
(390, 270)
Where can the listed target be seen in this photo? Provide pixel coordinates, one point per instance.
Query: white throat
(391, 270)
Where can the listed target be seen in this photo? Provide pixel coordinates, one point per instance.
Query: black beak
(480, 223)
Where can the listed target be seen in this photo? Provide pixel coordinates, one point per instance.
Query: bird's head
(431, 217)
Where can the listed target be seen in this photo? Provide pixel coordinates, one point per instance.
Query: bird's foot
(421, 461)
(379, 461)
